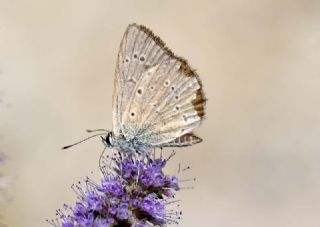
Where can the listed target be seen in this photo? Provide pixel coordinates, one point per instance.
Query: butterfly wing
(155, 91)
(128, 70)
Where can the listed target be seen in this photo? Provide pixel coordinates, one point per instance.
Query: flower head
(132, 192)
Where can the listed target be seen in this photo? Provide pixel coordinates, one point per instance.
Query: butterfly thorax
(134, 139)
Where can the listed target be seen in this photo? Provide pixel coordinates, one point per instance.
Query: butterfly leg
(137, 157)
(140, 157)
(101, 156)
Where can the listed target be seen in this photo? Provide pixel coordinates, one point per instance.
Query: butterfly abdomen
(183, 141)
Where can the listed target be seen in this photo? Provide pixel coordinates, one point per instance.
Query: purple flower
(131, 193)
(95, 202)
(173, 182)
(112, 186)
(102, 222)
(154, 206)
(123, 212)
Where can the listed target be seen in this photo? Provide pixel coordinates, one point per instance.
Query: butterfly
(158, 99)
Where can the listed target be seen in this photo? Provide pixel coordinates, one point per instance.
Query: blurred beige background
(259, 164)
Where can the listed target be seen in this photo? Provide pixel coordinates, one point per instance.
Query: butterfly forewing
(155, 90)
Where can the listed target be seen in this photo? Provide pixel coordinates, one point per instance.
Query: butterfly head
(108, 140)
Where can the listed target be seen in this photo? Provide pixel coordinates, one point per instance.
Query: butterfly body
(135, 139)
(132, 139)
(158, 99)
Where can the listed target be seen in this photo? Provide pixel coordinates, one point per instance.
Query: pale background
(259, 164)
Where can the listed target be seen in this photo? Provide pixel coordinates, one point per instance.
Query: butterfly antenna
(99, 134)
(97, 130)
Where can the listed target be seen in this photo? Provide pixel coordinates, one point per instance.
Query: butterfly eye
(109, 140)
(167, 82)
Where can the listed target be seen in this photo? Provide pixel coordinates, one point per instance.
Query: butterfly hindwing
(155, 89)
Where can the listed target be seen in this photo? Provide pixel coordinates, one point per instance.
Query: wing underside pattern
(156, 88)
